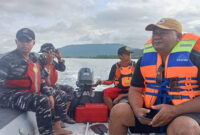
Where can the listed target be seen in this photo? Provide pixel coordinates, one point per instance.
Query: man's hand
(58, 55)
(99, 82)
(51, 99)
(166, 114)
(116, 100)
(142, 112)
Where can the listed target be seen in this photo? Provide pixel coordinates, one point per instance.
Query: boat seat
(7, 115)
(14, 122)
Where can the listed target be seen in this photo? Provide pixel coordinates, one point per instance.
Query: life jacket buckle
(188, 84)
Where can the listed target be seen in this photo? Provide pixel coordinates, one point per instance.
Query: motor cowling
(85, 79)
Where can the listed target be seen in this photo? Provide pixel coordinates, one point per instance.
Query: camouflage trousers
(69, 91)
(40, 104)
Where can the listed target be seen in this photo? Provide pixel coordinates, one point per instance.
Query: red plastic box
(92, 112)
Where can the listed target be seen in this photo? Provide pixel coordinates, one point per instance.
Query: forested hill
(94, 50)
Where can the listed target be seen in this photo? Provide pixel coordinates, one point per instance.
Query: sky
(69, 22)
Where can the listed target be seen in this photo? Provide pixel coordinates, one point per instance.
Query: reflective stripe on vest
(49, 79)
(35, 69)
(180, 74)
(52, 76)
(30, 82)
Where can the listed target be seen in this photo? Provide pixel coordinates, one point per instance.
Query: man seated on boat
(47, 61)
(121, 75)
(164, 92)
(25, 90)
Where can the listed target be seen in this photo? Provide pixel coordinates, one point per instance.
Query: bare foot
(62, 125)
(60, 131)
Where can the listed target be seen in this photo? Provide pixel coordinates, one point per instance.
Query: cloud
(65, 22)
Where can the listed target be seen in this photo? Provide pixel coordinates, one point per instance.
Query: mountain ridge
(94, 50)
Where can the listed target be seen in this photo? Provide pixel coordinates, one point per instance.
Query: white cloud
(65, 22)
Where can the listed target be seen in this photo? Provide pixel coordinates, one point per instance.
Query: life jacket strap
(157, 87)
(169, 96)
(178, 79)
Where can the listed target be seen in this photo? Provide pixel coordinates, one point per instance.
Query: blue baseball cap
(25, 33)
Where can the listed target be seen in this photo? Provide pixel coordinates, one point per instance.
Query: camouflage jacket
(14, 65)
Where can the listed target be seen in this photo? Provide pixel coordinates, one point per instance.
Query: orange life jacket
(124, 75)
(52, 77)
(30, 82)
(179, 83)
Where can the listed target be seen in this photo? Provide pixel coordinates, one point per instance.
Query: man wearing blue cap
(47, 62)
(24, 89)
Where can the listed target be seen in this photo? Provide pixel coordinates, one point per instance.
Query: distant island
(97, 51)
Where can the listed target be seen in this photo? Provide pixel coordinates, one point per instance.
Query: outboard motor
(86, 108)
(84, 93)
(85, 85)
(85, 79)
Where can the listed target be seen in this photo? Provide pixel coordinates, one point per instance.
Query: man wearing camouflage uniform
(47, 61)
(24, 89)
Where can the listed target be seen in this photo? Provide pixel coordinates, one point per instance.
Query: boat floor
(80, 128)
(25, 124)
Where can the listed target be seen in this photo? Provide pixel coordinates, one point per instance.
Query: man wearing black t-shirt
(164, 92)
(121, 75)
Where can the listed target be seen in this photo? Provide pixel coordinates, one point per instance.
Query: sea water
(100, 68)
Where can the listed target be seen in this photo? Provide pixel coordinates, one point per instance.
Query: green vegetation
(102, 57)
(95, 51)
(105, 57)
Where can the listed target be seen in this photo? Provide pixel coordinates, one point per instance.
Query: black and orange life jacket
(176, 82)
(52, 77)
(30, 82)
(124, 75)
